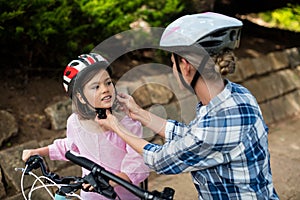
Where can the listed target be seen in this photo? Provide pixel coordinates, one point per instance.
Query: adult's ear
(80, 98)
(186, 66)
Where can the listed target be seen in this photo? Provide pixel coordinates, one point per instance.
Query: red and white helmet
(75, 66)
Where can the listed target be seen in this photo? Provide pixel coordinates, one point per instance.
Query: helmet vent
(233, 35)
(210, 43)
(68, 73)
(218, 33)
(74, 64)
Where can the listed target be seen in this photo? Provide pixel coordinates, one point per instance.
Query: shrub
(39, 34)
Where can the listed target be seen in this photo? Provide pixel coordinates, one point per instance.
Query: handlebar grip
(81, 161)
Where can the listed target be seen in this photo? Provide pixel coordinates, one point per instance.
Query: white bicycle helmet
(76, 66)
(213, 31)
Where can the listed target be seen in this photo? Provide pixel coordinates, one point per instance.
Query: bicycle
(98, 178)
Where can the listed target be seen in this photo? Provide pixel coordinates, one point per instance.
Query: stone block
(8, 126)
(266, 109)
(159, 94)
(2, 188)
(279, 108)
(290, 106)
(295, 77)
(289, 80)
(139, 92)
(262, 64)
(293, 101)
(16, 196)
(285, 106)
(246, 67)
(255, 87)
(272, 86)
(294, 56)
(12, 158)
(159, 89)
(58, 114)
(279, 59)
(162, 79)
(142, 97)
(132, 86)
(298, 71)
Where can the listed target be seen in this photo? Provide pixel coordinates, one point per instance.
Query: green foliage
(287, 18)
(48, 33)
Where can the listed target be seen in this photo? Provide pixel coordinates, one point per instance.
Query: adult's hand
(133, 110)
(110, 123)
(129, 106)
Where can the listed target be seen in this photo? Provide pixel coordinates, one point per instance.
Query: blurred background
(40, 37)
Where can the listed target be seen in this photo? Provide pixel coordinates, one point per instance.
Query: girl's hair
(85, 111)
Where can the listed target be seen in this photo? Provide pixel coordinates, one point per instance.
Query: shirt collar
(217, 100)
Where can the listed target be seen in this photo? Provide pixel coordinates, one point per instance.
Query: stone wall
(274, 79)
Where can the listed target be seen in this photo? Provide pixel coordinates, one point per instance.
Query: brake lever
(100, 185)
(71, 187)
(33, 162)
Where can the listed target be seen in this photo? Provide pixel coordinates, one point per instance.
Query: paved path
(284, 141)
(284, 145)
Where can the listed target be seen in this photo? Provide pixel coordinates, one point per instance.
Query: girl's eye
(108, 82)
(95, 87)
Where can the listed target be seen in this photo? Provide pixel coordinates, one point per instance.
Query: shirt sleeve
(133, 164)
(175, 130)
(59, 147)
(210, 142)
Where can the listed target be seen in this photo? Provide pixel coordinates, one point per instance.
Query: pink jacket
(106, 149)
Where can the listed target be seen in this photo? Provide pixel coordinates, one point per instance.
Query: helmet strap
(200, 68)
(176, 58)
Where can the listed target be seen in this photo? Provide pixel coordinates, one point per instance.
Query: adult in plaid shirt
(226, 146)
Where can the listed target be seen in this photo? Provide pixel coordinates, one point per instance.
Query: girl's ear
(78, 95)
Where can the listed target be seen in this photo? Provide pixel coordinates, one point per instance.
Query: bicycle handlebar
(167, 193)
(81, 161)
(98, 178)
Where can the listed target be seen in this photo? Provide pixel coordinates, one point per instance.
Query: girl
(88, 83)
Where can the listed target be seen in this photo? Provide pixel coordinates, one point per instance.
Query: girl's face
(100, 91)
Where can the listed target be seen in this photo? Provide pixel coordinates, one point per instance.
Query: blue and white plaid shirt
(225, 148)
